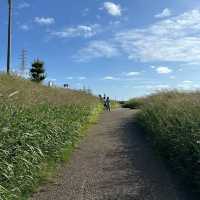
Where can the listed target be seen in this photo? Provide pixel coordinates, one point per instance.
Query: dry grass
(29, 93)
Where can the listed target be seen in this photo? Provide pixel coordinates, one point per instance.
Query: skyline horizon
(103, 46)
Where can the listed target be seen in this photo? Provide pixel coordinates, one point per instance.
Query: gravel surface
(114, 162)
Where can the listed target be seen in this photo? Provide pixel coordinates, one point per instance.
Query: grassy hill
(172, 119)
(37, 124)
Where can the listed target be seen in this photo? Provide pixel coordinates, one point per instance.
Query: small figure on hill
(37, 71)
(66, 86)
(108, 107)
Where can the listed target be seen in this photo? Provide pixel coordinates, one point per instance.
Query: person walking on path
(108, 107)
(104, 102)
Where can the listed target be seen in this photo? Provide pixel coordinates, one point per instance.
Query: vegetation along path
(115, 162)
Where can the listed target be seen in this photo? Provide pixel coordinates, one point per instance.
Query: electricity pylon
(23, 61)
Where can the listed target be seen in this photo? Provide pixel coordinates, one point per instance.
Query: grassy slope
(173, 120)
(37, 124)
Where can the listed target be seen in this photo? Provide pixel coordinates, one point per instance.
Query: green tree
(37, 71)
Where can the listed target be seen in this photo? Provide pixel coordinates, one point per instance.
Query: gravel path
(115, 162)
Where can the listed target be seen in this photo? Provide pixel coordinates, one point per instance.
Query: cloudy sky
(123, 48)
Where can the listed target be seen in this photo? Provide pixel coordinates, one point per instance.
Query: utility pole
(23, 61)
(9, 50)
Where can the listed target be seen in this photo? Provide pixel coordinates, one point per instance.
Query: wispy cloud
(112, 8)
(82, 78)
(165, 13)
(163, 70)
(76, 78)
(133, 74)
(110, 78)
(175, 39)
(86, 31)
(171, 40)
(188, 85)
(96, 49)
(44, 20)
(23, 5)
(24, 27)
(157, 87)
(187, 82)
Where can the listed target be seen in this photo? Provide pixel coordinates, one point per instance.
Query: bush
(173, 120)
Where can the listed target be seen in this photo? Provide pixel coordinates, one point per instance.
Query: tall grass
(172, 118)
(135, 103)
(37, 124)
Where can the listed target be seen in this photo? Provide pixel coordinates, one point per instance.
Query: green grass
(172, 118)
(135, 103)
(39, 126)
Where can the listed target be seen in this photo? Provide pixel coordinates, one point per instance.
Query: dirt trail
(115, 162)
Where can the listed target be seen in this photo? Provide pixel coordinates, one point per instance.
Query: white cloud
(78, 31)
(76, 78)
(184, 86)
(82, 78)
(23, 5)
(44, 20)
(165, 13)
(163, 70)
(110, 78)
(97, 49)
(113, 9)
(162, 86)
(133, 74)
(157, 87)
(24, 27)
(173, 40)
(196, 86)
(187, 82)
(188, 85)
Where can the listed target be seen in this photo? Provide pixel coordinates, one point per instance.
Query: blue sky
(123, 48)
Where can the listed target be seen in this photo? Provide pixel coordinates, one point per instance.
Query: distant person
(104, 102)
(66, 86)
(108, 107)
